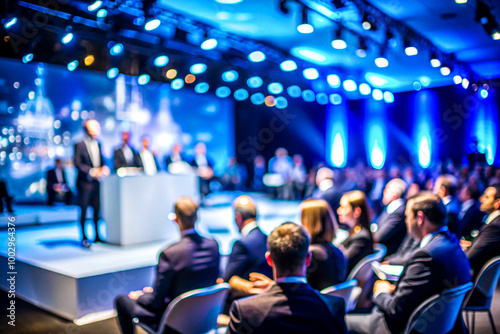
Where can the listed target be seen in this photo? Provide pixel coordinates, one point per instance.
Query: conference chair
(363, 273)
(438, 314)
(193, 312)
(348, 290)
(485, 286)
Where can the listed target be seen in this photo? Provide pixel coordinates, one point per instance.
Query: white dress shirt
(148, 162)
(94, 152)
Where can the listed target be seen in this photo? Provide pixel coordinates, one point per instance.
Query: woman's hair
(318, 219)
(357, 199)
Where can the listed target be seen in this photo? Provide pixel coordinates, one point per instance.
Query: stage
(55, 273)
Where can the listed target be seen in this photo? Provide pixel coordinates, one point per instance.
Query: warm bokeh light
(269, 101)
(171, 73)
(189, 78)
(89, 60)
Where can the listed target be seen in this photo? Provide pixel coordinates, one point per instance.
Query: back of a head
(431, 205)
(317, 217)
(186, 212)
(357, 199)
(288, 245)
(397, 187)
(246, 207)
(322, 174)
(448, 182)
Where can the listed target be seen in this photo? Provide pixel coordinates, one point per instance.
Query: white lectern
(135, 208)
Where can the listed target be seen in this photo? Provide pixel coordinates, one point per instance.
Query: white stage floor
(50, 259)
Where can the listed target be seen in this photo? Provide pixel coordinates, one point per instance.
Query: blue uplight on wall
(425, 110)
(376, 139)
(424, 152)
(485, 128)
(336, 135)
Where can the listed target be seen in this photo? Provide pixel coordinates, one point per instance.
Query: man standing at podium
(89, 162)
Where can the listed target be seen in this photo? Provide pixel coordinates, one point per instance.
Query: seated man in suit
(291, 305)
(487, 243)
(189, 264)
(57, 185)
(390, 227)
(471, 216)
(326, 189)
(445, 187)
(437, 265)
(126, 156)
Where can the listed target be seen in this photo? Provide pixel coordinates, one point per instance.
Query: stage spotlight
(143, 79)
(230, 76)
(465, 83)
(435, 62)
(308, 95)
(305, 27)
(198, 68)
(335, 99)
(209, 44)
(333, 80)
(312, 55)
(72, 65)
(177, 84)
(270, 101)
(27, 58)
(445, 70)
(112, 73)
(461, 1)
(417, 86)
(116, 49)
(275, 88)
(377, 94)
(223, 92)
(425, 81)
(254, 82)
(67, 38)
(161, 61)
(365, 22)
(350, 85)
(172, 73)
(411, 51)
(9, 23)
(229, 2)
(257, 56)
(95, 6)
(201, 88)
(102, 13)
(294, 91)
(365, 89)
(381, 62)
(89, 60)
(338, 43)
(322, 98)
(310, 73)
(483, 93)
(496, 35)
(152, 24)
(388, 97)
(257, 98)
(288, 65)
(190, 78)
(241, 94)
(281, 102)
(457, 79)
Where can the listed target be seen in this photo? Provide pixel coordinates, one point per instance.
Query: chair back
(438, 314)
(345, 291)
(486, 281)
(196, 311)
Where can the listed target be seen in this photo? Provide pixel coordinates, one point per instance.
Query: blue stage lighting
(72, 65)
(27, 58)
(241, 94)
(161, 61)
(152, 25)
(308, 95)
(288, 65)
(424, 152)
(310, 73)
(230, 76)
(198, 68)
(254, 82)
(294, 91)
(257, 98)
(177, 84)
(281, 102)
(484, 93)
(388, 97)
(336, 120)
(350, 85)
(201, 88)
(377, 94)
(275, 88)
(209, 44)
(365, 89)
(10, 23)
(116, 49)
(67, 38)
(143, 79)
(223, 92)
(94, 6)
(322, 98)
(257, 56)
(102, 13)
(335, 99)
(311, 55)
(333, 80)
(113, 73)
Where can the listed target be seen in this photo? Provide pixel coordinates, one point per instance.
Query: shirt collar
(447, 200)
(248, 228)
(492, 216)
(467, 204)
(394, 205)
(292, 279)
(425, 240)
(188, 231)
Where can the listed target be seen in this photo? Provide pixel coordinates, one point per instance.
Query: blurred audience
(57, 186)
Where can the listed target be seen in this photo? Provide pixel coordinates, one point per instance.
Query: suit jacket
(391, 229)
(168, 160)
(248, 255)
(404, 251)
(356, 247)
(485, 246)
(472, 220)
(331, 196)
(288, 308)
(432, 269)
(328, 266)
(83, 163)
(120, 161)
(453, 209)
(52, 178)
(189, 264)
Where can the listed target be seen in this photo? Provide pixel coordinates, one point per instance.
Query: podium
(136, 207)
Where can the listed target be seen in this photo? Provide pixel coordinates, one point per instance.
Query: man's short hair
(473, 190)
(186, 212)
(246, 207)
(397, 186)
(288, 245)
(431, 205)
(449, 182)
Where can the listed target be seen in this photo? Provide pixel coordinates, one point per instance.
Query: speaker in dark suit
(89, 163)
(290, 305)
(57, 185)
(126, 156)
(189, 264)
(437, 265)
